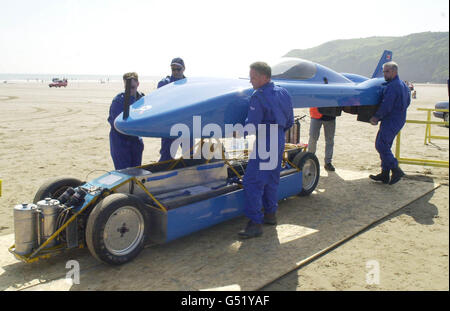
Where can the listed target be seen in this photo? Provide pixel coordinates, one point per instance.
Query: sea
(37, 77)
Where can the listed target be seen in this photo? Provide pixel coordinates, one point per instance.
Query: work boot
(397, 174)
(252, 230)
(270, 219)
(329, 167)
(383, 176)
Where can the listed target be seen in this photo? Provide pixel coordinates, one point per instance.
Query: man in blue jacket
(270, 105)
(177, 67)
(392, 114)
(126, 151)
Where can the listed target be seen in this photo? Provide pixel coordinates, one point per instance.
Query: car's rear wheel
(54, 187)
(308, 163)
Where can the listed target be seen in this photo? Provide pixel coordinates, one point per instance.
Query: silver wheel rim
(309, 174)
(123, 231)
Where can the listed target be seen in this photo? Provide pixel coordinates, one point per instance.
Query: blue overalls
(166, 142)
(392, 113)
(269, 104)
(126, 151)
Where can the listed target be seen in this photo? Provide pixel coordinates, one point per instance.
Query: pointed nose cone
(215, 100)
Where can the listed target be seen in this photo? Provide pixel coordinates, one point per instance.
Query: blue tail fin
(387, 57)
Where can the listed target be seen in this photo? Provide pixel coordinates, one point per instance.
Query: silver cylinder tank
(49, 209)
(25, 228)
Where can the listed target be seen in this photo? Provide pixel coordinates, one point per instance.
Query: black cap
(177, 61)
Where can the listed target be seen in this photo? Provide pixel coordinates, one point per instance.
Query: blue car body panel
(354, 77)
(200, 215)
(107, 181)
(223, 101)
(196, 216)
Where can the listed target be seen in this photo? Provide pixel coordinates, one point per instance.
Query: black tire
(106, 226)
(54, 187)
(308, 163)
(446, 118)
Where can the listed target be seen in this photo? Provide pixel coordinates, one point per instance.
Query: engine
(34, 224)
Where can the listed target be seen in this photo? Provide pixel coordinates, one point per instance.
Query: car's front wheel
(117, 228)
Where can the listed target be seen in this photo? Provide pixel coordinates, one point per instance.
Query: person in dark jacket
(177, 67)
(270, 106)
(126, 151)
(396, 98)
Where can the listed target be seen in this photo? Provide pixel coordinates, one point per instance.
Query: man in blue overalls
(269, 105)
(392, 114)
(126, 151)
(177, 67)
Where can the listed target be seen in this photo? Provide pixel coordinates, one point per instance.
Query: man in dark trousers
(392, 114)
(270, 105)
(126, 151)
(329, 126)
(177, 67)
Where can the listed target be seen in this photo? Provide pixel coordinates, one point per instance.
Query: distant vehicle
(440, 114)
(58, 83)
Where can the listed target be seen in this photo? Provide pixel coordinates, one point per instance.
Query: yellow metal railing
(428, 136)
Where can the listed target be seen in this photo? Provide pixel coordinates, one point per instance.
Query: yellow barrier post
(397, 146)
(428, 129)
(428, 135)
(424, 162)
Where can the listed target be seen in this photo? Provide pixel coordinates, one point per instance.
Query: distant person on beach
(395, 100)
(126, 151)
(177, 67)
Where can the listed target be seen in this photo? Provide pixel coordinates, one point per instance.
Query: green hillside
(422, 57)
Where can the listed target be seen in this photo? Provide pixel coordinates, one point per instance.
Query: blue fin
(386, 57)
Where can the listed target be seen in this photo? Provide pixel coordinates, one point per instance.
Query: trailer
(118, 213)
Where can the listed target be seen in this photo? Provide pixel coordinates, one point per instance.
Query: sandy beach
(47, 132)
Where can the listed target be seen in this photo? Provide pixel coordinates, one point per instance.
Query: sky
(215, 38)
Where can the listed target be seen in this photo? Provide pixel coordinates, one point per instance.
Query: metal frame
(428, 136)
